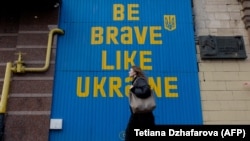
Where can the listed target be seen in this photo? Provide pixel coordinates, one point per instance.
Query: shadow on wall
(28, 5)
(246, 85)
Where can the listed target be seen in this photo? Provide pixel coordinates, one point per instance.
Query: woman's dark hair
(138, 71)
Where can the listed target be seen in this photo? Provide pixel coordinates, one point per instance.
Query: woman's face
(131, 72)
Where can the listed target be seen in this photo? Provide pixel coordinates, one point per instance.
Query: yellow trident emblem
(170, 22)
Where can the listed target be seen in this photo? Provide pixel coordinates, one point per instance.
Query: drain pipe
(19, 67)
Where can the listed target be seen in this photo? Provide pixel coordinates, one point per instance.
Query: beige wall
(225, 98)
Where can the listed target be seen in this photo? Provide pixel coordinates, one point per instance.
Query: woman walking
(139, 87)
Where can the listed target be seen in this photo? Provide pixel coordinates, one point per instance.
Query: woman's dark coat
(139, 120)
(140, 87)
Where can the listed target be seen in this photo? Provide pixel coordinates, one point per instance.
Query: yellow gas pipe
(20, 68)
(6, 86)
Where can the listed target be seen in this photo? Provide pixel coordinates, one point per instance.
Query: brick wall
(29, 103)
(225, 98)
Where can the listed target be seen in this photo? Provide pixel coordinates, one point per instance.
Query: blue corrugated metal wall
(102, 40)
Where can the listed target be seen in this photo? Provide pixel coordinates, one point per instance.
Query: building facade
(224, 83)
